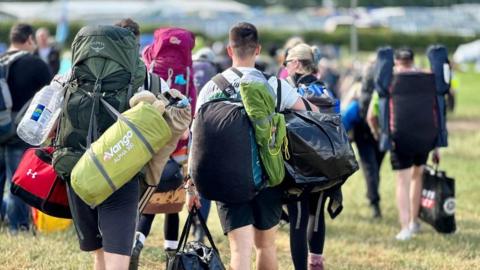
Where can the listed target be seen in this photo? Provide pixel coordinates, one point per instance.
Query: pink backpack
(170, 57)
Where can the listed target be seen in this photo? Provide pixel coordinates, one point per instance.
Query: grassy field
(354, 240)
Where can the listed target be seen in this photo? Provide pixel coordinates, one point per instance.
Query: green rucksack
(105, 65)
(269, 125)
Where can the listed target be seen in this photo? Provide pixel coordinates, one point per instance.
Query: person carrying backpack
(21, 75)
(105, 70)
(370, 155)
(307, 241)
(170, 58)
(251, 223)
(204, 68)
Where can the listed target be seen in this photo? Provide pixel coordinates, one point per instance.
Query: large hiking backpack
(170, 57)
(224, 163)
(8, 122)
(412, 105)
(105, 66)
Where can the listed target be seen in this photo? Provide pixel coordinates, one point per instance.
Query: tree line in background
(337, 3)
(363, 3)
(369, 39)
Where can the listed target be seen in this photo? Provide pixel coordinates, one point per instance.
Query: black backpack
(8, 120)
(225, 164)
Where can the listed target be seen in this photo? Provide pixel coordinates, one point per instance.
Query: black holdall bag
(319, 149)
(195, 255)
(437, 205)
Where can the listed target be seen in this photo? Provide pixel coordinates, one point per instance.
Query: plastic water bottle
(41, 115)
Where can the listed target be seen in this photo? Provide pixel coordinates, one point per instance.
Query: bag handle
(186, 229)
(205, 228)
(307, 106)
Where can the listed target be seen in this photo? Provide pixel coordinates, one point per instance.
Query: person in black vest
(49, 53)
(26, 76)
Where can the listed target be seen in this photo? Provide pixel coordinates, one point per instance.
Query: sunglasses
(286, 62)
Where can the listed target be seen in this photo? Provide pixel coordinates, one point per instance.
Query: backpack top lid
(170, 44)
(108, 42)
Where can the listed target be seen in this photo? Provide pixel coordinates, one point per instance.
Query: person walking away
(26, 75)
(254, 223)
(47, 51)
(306, 213)
(204, 68)
(169, 57)
(407, 165)
(370, 155)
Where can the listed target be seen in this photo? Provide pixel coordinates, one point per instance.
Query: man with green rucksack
(105, 69)
(248, 222)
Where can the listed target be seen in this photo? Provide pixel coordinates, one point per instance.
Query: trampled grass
(354, 240)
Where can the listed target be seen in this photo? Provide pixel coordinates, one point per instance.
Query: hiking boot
(376, 212)
(135, 258)
(404, 234)
(414, 227)
(315, 262)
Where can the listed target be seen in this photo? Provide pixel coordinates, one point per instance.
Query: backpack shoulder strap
(237, 72)
(9, 58)
(279, 95)
(223, 84)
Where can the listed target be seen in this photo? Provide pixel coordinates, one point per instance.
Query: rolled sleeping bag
(440, 65)
(120, 153)
(383, 76)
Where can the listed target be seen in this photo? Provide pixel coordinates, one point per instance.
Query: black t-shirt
(26, 76)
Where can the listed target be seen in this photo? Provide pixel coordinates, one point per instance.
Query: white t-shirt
(289, 94)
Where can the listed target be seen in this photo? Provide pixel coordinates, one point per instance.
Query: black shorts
(402, 160)
(111, 225)
(263, 212)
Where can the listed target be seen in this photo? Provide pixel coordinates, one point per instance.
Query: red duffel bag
(37, 184)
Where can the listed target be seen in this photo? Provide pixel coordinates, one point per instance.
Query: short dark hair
(404, 53)
(243, 38)
(19, 33)
(129, 24)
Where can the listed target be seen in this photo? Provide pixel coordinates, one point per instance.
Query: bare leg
(116, 261)
(266, 249)
(415, 192)
(241, 244)
(403, 199)
(99, 260)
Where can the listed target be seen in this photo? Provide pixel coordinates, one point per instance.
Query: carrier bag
(36, 183)
(437, 205)
(319, 149)
(120, 153)
(195, 255)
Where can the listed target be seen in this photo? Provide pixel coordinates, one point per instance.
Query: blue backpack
(318, 94)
